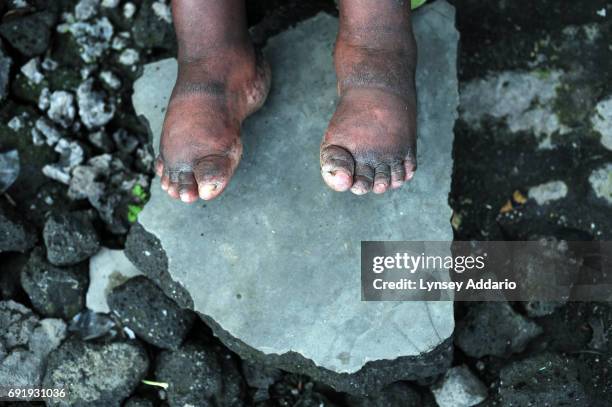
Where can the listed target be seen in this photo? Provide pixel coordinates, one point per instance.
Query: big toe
(337, 167)
(212, 175)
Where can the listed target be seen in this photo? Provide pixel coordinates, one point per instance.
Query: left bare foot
(370, 144)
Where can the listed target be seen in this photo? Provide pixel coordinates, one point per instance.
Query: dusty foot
(221, 80)
(200, 145)
(370, 144)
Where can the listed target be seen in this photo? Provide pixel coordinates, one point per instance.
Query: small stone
(70, 238)
(601, 182)
(110, 3)
(49, 64)
(9, 169)
(15, 123)
(542, 380)
(546, 193)
(494, 328)
(89, 325)
(31, 71)
(15, 234)
(95, 108)
(51, 135)
(155, 318)
(25, 342)
(57, 173)
(602, 121)
(119, 43)
(54, 291)
(86, 9)
(199, 376)
(162, 11)
(129, 57)
(71, 154)
(5, 70)
(107, 270)
(110, 79)
(29, 34)
(459, 388)
(93, 38)
(96, 374)
(61, 108)
(44, 99)
(129, 9)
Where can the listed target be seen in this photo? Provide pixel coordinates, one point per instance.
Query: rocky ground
(533, 158)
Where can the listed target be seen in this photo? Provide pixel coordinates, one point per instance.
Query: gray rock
(459, 388)
(494, 328)
(29, 34)
(15, 234)
(107, 270)
(95, 108)
(155, 318)
(542, 380)
(61, 108)
(93, 38)
(601, 120)
(5, 70)
(86, 9)
(54, 291)
(199, 376)
(25, 342)
(601, 182)
(96, 374)
(9, 169)
(313, 322)
(70, 238)
(395, 394)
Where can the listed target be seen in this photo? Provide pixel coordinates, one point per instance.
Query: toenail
(409, 176)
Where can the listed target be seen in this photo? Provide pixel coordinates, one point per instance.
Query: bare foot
(221, 81)
(370, 144)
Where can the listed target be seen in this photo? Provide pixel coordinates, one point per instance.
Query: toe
(165, 181)
(187, 187)
(410, 166)
(337, 167)
(364, 177)
(398, 174)
(173, 190)
(159, 166)
(212, 175)
(382, 179)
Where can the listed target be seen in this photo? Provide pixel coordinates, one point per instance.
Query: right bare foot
(218, 86)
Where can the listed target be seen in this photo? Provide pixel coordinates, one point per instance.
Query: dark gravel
(54, 291)
(96, 374)
(70, 238)
(155, 318)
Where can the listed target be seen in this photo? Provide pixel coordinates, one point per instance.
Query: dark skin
(370, 144)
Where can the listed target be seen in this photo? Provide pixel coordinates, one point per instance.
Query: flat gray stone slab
(275, 262)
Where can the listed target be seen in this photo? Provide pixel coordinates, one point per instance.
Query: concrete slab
(273, 264)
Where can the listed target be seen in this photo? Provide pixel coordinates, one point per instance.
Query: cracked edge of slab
(370, 378)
